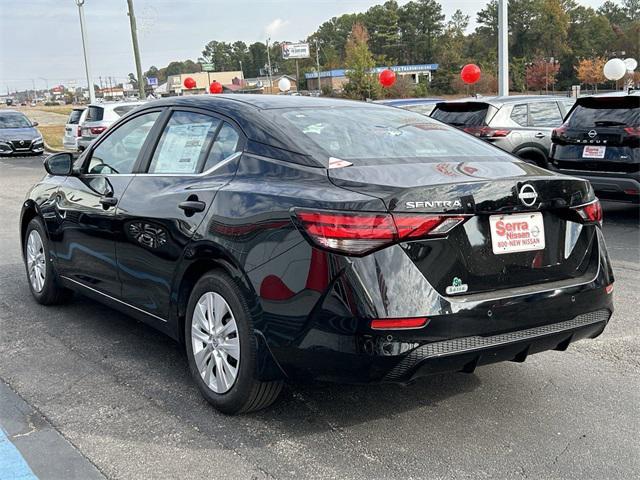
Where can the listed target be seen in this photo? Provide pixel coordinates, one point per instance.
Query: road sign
(295, 50)
(207, 67)
(152, 81)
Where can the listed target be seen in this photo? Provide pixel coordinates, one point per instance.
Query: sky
(40, 41)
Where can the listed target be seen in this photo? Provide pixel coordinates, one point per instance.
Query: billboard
(295, 50)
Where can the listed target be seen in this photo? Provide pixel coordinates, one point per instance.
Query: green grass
(52, 135)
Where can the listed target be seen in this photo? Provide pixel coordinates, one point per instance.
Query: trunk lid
(464, 261)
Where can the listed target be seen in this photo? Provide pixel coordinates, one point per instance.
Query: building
(175, 83)
(336, 79)
(266, 85)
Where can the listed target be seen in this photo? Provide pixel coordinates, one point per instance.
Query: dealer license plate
(518, 232)
(593, 151)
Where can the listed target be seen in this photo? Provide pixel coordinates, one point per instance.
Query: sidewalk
(31, 448)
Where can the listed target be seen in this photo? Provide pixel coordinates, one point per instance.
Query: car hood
(7, 134)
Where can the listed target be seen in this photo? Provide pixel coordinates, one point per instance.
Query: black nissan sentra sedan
(281, 237)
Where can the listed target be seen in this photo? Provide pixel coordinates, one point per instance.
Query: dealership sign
(295, 50)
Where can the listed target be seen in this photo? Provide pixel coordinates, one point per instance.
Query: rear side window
(606, 112)
(121, 110)
(519, 115)
(462, 114)
(184, 144)
(74, 117)
(545, 114)
(94, 113)
(226, 144)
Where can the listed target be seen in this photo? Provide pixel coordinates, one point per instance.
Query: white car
(72, 128)
(99, 117)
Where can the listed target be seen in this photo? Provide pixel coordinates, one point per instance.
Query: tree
(381, 22)
(590, 71)
(420, 23)
(359, 62)
(541, 74)
(133, 81)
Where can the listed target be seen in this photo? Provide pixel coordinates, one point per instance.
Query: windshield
(609, 112)
(462, 114)
(14, 120)
(376, 135)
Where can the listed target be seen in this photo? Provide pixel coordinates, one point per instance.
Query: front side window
(118, 152)
(380, 135)
(185, 142)
(545, 114)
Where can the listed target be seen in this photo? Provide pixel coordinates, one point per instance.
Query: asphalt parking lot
(118, 396)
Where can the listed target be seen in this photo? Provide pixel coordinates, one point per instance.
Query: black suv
(600, 141)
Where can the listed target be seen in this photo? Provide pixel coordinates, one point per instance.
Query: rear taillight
(632, 131)
(558, 133)
(357, 234)
(398, 323)
(97, 130)
(591, 212)
(487, 132)
(79, 131)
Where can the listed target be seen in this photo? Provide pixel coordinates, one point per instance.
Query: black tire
(52, 293)
(247, 394)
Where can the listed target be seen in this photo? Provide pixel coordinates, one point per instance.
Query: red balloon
(189, 83)
(215, 87)
(470, 73)
(387, 78)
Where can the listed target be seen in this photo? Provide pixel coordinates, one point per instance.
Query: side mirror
(34, 124)
(59, 164)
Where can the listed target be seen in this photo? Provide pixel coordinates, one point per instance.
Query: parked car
(18, 135)
(282, 237)
(99, 117)
(72, 128)
(420, 105)
(600, 141)
(519, 124)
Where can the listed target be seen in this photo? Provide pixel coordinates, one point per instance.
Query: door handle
(192, 206)
(539, 135)
(108, 202)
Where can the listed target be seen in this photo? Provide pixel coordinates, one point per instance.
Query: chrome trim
(112, 298)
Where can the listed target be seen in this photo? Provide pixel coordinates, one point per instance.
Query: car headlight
(37, 140)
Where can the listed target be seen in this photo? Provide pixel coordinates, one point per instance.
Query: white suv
(72, 128)
(99, 117)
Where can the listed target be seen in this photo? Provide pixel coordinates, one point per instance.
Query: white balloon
(631, 64)
(284, 84)
(615, 69)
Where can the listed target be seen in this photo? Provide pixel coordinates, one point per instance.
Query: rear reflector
(398, 323)
(591, 213)
(632, 191)
(609, 289)
(354, 233)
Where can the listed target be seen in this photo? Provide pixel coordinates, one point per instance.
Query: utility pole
(318, 64)
(269, 67)
(83, 31)
(503, 48)
(136, 50)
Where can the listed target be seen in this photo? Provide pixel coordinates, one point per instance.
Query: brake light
(632, 131)
(398, 323)
(97, 130)
(558, 133)
(79, 132)
(487, 132)
(609, 289)
(591, 213)
(356, 234)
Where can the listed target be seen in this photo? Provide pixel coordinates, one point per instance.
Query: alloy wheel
(36, 261)
(215, 341)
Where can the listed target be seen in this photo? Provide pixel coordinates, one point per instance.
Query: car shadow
(621, 213)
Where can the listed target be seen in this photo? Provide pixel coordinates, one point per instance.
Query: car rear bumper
(624, 187)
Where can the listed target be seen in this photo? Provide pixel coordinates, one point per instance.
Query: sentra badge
(435, 204)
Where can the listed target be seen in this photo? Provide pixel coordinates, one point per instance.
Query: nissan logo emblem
(592, 133)
(21, 142)
(528, 195)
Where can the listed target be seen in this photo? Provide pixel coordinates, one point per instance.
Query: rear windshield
(94, 113)
(74, 116)
(378, 135)
(462, 114)
(606, 112)
(14, 120)
(121, 110)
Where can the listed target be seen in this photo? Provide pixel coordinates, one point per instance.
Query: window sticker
(181, 147)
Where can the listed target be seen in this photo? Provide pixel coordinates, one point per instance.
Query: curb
(50, 149)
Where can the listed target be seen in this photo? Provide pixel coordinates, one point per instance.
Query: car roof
(498, 101)
(115, 104)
